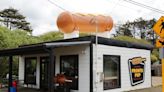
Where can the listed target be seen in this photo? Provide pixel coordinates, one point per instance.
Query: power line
(130, 1)
(60, 7)
(145, 6)
(66, 10)
(115, 6)
(57, 5)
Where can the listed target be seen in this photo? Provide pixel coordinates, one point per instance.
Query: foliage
(11, 39)
(130, 39)
(84, 34)
(153, 58)
(55, 35)
(155, 52)
(138, 28)
(12, 19)
(51, 36)
(155, 55)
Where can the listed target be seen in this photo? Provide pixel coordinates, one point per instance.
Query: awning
(38, 48)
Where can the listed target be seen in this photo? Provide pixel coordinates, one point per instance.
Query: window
(30, 70)
(69, 67)
(111, 72)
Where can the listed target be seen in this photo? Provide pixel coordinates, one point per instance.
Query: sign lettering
(137, 70)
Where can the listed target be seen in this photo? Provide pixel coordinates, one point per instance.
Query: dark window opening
(69, 67)
(30, 70)
(111, 72)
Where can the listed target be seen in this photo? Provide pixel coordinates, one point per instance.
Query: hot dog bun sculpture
(68, 23)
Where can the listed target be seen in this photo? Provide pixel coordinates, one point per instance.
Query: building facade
(104, 65)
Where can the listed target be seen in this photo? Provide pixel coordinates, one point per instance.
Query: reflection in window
(30, 70)
(69, 67)
(111, 72)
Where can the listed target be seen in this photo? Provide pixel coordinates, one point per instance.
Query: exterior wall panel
(125, 54)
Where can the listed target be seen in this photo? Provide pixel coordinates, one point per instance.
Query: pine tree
(12, 19)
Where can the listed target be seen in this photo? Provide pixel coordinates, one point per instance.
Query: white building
(109, 66)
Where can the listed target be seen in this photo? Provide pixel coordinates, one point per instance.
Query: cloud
(42, 14)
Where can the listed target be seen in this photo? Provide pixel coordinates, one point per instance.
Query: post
(10, 72)
(51, 71)
(91, 67)
(97, 29)
(161, 56)
(162, 74)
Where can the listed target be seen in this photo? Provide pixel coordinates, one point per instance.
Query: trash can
(12, 89)
(14, 85)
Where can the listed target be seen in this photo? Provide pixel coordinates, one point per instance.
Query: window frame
(77, 58)
(119, 70)
(25, 73)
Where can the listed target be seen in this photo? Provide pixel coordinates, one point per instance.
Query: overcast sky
(42, 14)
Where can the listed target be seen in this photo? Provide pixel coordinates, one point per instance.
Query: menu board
(137, 70)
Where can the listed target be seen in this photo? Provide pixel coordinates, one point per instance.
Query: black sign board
(137, 70)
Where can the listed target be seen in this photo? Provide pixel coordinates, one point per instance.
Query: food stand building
(105, 65)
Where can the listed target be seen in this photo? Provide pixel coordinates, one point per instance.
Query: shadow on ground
(152, 89)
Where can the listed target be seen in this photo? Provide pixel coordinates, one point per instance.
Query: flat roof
(40, 47)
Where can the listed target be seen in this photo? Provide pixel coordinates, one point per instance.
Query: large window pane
(69, 67)
(30, 70)
(111, 72)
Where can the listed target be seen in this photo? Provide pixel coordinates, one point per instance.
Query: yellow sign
(159, 27)
(160, 43)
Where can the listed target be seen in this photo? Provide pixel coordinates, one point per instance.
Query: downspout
(91, 67)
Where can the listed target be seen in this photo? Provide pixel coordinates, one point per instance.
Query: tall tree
(124, 30)
(12, 19)
(138, 28)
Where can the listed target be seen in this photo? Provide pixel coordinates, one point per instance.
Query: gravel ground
(156, 81)
(156, 87)
(152, 89)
